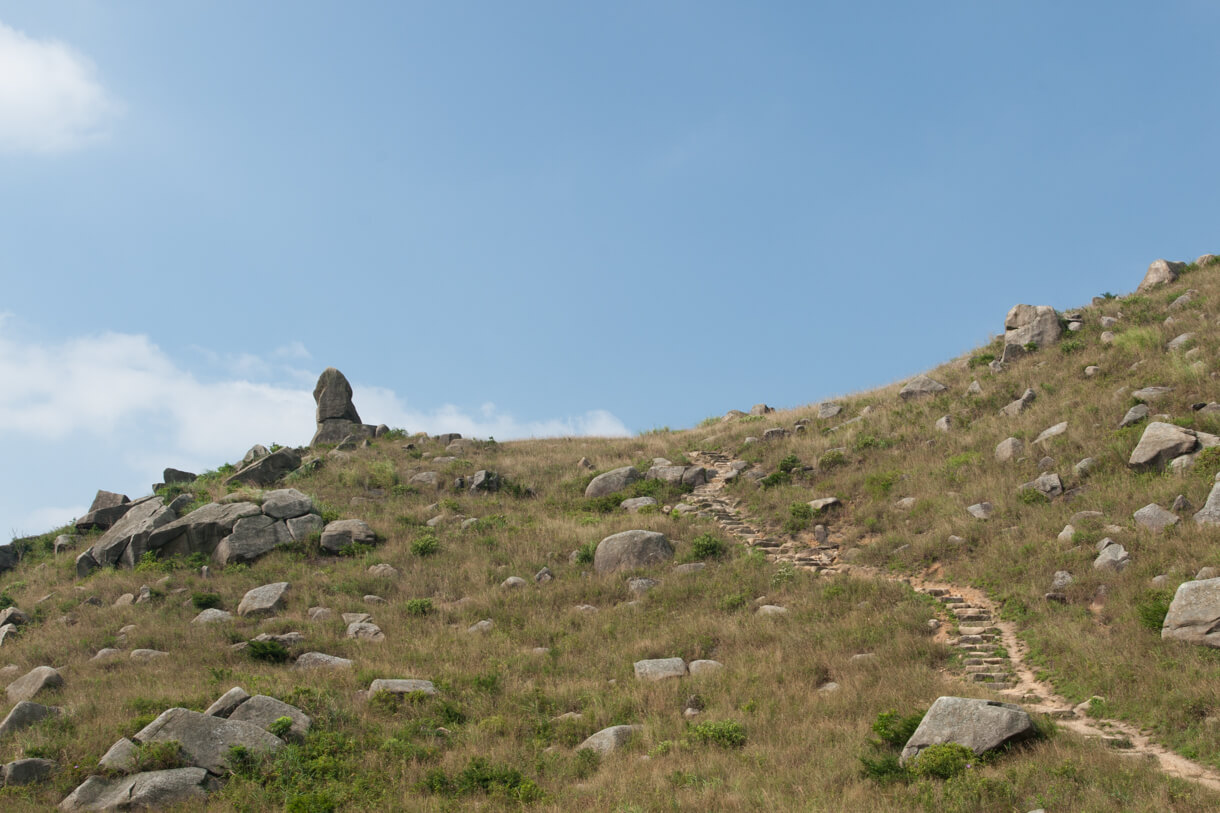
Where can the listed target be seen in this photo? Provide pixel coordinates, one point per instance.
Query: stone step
(989, 677)
(952, 600)
(936, 591)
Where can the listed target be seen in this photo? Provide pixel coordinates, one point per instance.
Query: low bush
(942, 761)
(425, 545)
(205, 601)
(419, 606)
(269, 651)
(724, 733)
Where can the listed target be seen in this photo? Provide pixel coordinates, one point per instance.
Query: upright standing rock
(337, 417)
(1036, 324)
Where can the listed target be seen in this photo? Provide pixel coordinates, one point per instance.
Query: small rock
(1155, 518)
(384, 571)
(485, 625)
(146, 655)
(513, 582)
(543, 576)
(320, 660)
(771, 609)
(263, 601)
(1008, 449)
(982, 510)
(640, 586)
(660, 669)
(609, 739)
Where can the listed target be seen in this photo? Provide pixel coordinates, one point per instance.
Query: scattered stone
(212, 615)
(829, 409)
(1061, 580)
(369, 598)
(1018, 406)
(1052, 432)
(585, 463)
(1113, 556)
(33, 682)
(365, 631)
(1048, 484)
(513, 583)
(640, 586)
(636, 503)
(485, 625)
(980, 725)
(146, 655)
(402, 687)
(774, 434)
(543, 576)
(1160, 443)
(919, 387)
(1008, 449)
(611, 482)
(336, 414)
(1159, 272)
(1091, 371)
(1031, 324)
(609, 739)
(320, 660)
(1180, 342)
(320, 613)
(344, 533)
(943, 423)
(975, 388)
(1194, 613)
(824, 504)
(982, 510)
(631, 549)
(905, 504)
(761, 409)
(1107, 337)
(151, 790)
(1181, 504)
(1151, 393)
(65, 543)
(485, 482)
(24, 715)
(121, 757)
(105, 653)
(771, 609)
(1155, 518)
(660, 669)
(263, 601)
(1207, 573)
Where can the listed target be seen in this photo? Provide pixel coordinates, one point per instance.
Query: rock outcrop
(980, 725)
(336, 414)
(1159, 272)
(1194, 613)
(631, 549)
(1031, 324)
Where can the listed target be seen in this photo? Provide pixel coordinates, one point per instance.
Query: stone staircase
(979, 642)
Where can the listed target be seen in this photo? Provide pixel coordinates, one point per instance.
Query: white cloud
(120, 410)
(50, 98)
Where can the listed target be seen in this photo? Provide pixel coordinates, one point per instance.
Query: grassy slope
(802, 749)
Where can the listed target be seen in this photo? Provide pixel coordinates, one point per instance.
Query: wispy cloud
(50, 97)
(121, 409)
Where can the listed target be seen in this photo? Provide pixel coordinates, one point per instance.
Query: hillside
(810, 636)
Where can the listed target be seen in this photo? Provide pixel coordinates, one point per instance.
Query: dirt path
(993, 656)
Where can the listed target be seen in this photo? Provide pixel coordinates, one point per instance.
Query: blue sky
(552, 217)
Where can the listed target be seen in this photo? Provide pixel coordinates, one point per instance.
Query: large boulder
(921, 386)
(262, 710)
(1160, 272)
(631, 549)
(151, 790)
(267, 470)
(980, 725)
(343, 533)
(286, 503)
(611, 482)
(126, 541)
(200, 531)
(252, 538)
(33, 682)
(25, 714)
(1160, 443)
(107, 508)
(609, 739)
(263, 601)
(336, 414)
(205, 740)
(1194, 614)
(1037, 324)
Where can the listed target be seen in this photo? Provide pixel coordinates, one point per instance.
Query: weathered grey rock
(107, 508)
(1181, 504)
(906, 503)
(64, 543)
(1151, 394)
(1194, 613)
(829, 409)
(33, 682)
(286, 503)
(1046, 463)
(611, 482)
(1018, 406)
(205, 741)
(365, 631)
(262, 711)
(1207, 573)
(824, 504)
(1155, 518)
(694, 476)
(227, 702)
(383, 571)
(982, 510)
(1180, 342)
(609, 739)
(335, 410)
(252, 538)
(427, 479)
(343, 533)
(640, 586)
(106, 653)
(302, 528)
(1038, 324)
(27, 771)
(484, 482)
(1107, 321)
(585, 463)
(1048, 484)
(704, 668)
(1113, 556)
(1085, 467)
(1091, 371)
(636, 503)
(660, 669)
(486, 625)
(761, 409)
(771, 609)
(631, 549)
(513, 583)
(1209, 514)
(1159, 272)
(212, 615)
(320, 660)
(24, 715)
(122, 757)
(12, 615)
(146, 655)
(921, 386)
(263, 601)
(543, 576)
(774, 434)
(1009, 449)
(1160, 443)
(1134, 415)
(267, 470)
(256, 451)
(151, 790)
(462, 446)
(125, 542)
(980, 725)
(944, 423)
(670, 474)
(975, 388)
(1052, 432)
(402, 686)
(200, 531)
(320, 613)
(689, 568)
(1061, 580)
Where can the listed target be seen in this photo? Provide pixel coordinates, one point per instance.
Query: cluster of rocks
(205, 742)
(662, 668)
(228, 532)
(1166, 444)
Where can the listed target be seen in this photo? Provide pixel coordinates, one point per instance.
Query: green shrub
(1207, 464)
(269, 651)
(318, 801)
(862, 442)
(884, 768)
(724, 733)
(734, 602)
(419, 606)
(1032, 496)
(832, 460)
(425, 545)
(1152, 608)
(942, 761)
(799, 516)
(479, 775)
(205, 601)
(894, 729)
(878, 484)
(789, 463)
(981, 360)
(584, 554)
(1071, 345)
(776, 478)
(280, 726)
(707, 546)
(159, 756)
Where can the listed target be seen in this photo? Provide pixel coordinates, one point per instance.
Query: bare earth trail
(992, 654)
